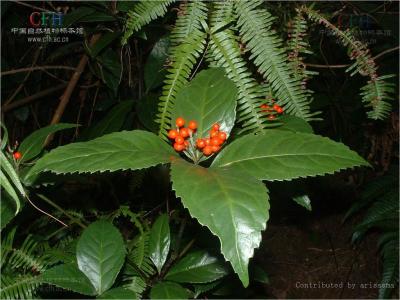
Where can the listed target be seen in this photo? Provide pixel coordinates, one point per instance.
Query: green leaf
(154, 70)
(209, 98)
(147, 108)
(100, 253)
(33, 144)
(160, 240)
(103, 42)
(7, 209)
(69, 277)
(304, 201)
(234, 207)
(283, 155)
(258, 274)
(197, 267)
(76, 15)
(168, 290)
(118, 293)
(4, 138)
(6, 185)
(124, 150)
(112, 122)
(295, 124)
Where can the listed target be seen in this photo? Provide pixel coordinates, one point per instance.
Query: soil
(314, 259)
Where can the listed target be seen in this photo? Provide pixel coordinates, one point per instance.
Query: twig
(21, 85)
(62, 210)
(37, 68)
(31, 98)
(347, 65)
(65, 97)
(31, 6)
(47, 214)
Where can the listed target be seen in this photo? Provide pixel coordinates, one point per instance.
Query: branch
(31, 98)
(65, 97)
(347, 65)
(30, 69)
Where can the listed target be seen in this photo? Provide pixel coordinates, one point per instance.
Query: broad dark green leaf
(76, 15)
(100, 253)
(234, 207)
(284, 155)
(197, 267)
(9, 189)
(112, 122)
(32, 145)
(209, 98)
(118, 293)
(168, 290)
(147, 111)
(69, 277)
(124, 150)
(103, 42)
(304, 201)
(154, 70)
(295, 124)
(160, 240)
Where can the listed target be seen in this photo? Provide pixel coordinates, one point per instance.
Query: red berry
(192, 125)
(17, 155)
(271, 117)
(180, 122)
(215, 141)
(179, 140)
(263, 106)
(277, 107)
(215, 148)
(207, 141)
(172, 134)
(184, 132)
(179, 147)
(279, 110)
(222, 136)
(213, 133)
(200, 143)
(207, 150)
(215, 127)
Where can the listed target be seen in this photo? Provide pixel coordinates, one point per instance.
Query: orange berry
(279, 110)
(215, 148)
(179, 140)
(207, 150)
(263, 106)
(179, 147)
(215, 141)
(200, 143)
(186, 143)
(17, 155)
(271, 117)
(222, 136)
(184, 132)
(213, 133)
(172, 134)
(180, 122)
(207, 141)
(192, 125)
(215, 127)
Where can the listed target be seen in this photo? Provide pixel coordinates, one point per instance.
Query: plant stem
(62, 210)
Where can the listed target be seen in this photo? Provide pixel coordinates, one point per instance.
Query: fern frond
(189, 20)
(143, 13)
(267, 53)
(224, 51)
(374, 95)
(18, 287)
(298, 46)
(141, 267)
(377, 92)
(183, 57)
(126, 212)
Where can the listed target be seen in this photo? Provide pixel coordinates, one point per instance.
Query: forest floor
(314, 258)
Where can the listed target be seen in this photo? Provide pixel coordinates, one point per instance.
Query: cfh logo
(363, 21)
(46, 19)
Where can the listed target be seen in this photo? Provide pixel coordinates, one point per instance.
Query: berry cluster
(213, 143)
(271, 110)
(181, 134)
